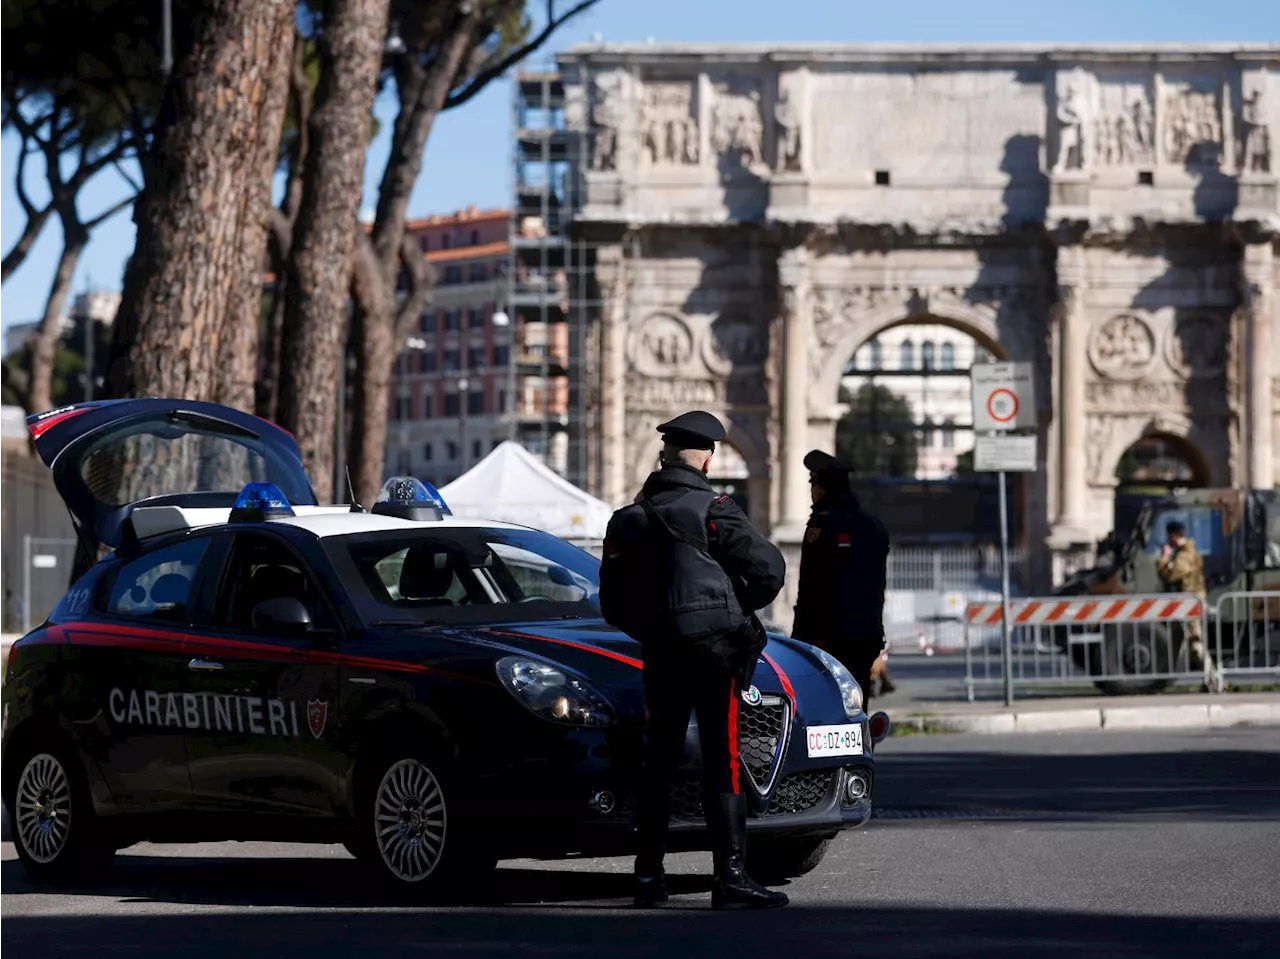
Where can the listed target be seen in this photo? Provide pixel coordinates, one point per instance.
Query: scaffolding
(551, 294)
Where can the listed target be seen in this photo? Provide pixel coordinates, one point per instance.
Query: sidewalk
(1078, 713)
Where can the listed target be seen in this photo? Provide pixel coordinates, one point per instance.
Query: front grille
(760, 729)
(686, 800)
(800, 792)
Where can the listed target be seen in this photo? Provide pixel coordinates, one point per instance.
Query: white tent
(512, 485)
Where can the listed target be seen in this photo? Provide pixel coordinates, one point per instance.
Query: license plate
(835, 740)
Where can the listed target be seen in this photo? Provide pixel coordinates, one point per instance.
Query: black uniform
(843, 572)
(684, 572)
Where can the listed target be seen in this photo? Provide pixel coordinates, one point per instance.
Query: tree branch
(421, 282)
(497, 69)
(110, 212)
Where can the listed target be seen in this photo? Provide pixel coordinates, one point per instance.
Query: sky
(468, 159)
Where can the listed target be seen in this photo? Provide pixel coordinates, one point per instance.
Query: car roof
(320, 521)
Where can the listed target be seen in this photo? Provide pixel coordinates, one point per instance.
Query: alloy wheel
(43, 810)
(409, 820)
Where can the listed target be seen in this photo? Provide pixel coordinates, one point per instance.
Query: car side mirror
(560, 576)
(284, 614)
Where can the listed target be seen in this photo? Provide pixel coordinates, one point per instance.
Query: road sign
(1004, 454)
(44, 561)
(1003, 397)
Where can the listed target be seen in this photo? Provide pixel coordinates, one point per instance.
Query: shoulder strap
(653, 514)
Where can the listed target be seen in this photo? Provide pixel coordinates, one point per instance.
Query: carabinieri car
(433, 693)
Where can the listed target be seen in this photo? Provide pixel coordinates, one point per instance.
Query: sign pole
(1006, 647)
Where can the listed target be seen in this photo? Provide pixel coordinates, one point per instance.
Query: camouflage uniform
(1183, 572)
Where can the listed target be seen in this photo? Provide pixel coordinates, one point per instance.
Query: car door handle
(204, 664)
(362, 680)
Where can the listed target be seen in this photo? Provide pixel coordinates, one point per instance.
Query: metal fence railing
(1121, 644)
(32, 521)
(1247, 634)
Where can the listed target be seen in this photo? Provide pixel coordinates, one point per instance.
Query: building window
(926, 438)
(427, 452)
(475, 237)
(496, 444)
(501, 355)
(907, 355)
(475, 403)
(478, 273)
(452, 405)
(477, 450)
(452, 275)
(476, 319)
(926, 354)
(444, 241)
(948, 435)
(428, 361)
(504, 399)
(450, 361)
(877, 354)
(428, 322)
(475, 358)
(948, 360)
(452, 450)
(428, 407)
(453, 321)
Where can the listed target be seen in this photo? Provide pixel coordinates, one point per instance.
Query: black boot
(651, 821)
(651, 891)
(732, 888)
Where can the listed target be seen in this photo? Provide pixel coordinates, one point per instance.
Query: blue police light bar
(410, 498)
(258, 502)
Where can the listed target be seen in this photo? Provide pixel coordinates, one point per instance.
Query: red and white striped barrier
(1088, 609)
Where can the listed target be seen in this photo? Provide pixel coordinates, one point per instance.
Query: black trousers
(676, 684)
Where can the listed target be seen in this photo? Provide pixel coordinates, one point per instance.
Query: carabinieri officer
(711, 570)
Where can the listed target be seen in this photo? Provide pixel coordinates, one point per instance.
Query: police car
(434, 693)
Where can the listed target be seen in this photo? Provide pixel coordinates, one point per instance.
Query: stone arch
(1179, 436)
(976, 320)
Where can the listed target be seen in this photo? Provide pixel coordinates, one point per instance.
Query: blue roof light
(411, 491)
(260, 501)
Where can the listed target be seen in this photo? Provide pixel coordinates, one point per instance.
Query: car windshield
(466, 576)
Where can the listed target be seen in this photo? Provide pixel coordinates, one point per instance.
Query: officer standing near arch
(843, 573)
(683, 572)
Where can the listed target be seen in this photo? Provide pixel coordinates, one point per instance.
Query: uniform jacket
(1183, 572)
(843, 573)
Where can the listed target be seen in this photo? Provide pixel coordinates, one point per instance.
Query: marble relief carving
(669, 126)
(1192, 127)
(1124, 131)
(737, 122)
(606, 119)
(1122, 347)
(787, 117)
(1255, 139)
(660, 346)
(735, 346)
(1197, 346)
(1098, 434)
(1071, 116)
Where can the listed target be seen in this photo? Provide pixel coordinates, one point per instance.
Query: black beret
(816, 461)
(695, 430)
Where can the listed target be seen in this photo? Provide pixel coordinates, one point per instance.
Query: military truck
(1238, 534)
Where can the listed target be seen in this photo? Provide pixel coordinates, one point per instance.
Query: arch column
(1259, 302)
(1073, 362)
(793, 272)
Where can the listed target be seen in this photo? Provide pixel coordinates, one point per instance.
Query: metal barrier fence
(1121, 644)
(30, 510)
(1247, 634)
(929, 589)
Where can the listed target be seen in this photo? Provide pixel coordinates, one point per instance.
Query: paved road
(1092, 845)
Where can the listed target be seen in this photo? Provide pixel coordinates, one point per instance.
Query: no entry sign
(1003, 397)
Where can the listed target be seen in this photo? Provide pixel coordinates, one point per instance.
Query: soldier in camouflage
(1181, 569)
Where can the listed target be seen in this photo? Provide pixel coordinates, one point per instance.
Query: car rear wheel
(51, 817)
(413, 833)
(771, 861)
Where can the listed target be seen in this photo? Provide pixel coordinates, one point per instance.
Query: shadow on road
(1224, 786)
(690, 929)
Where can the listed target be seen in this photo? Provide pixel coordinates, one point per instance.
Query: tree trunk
(375, 358)
(44, 349)
(325, 233)
(238, 362)
(189, 261)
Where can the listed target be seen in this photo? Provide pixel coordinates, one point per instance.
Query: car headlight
(850, 691)
(552, 694)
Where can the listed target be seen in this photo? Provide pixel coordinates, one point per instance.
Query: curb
(1184, 716)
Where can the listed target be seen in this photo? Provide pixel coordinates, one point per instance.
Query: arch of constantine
(1109, 214)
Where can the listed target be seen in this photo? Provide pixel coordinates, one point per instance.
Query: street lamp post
(502, 320)
(166, 26)
(463, 383)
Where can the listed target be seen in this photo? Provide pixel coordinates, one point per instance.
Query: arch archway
(1160, 461)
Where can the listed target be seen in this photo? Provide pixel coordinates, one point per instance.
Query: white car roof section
(322, 521)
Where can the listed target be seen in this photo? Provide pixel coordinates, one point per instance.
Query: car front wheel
(772, 860)
(51, 817)
(413, 832)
